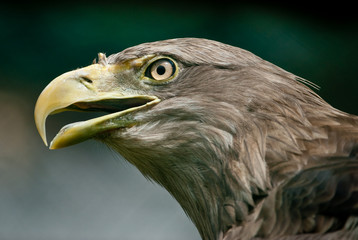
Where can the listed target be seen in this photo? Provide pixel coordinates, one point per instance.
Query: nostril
(86, 79)
(87, 82)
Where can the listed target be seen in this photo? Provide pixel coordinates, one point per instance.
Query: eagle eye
(161, 69)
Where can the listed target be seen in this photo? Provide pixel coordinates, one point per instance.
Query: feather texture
(246, 148)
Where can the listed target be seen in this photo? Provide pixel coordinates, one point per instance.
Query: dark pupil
(160, 70)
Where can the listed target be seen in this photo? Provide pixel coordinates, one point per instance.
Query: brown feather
(245, 147)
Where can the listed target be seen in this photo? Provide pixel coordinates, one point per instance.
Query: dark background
(88, 192)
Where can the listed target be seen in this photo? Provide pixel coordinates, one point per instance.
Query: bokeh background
(88, 192)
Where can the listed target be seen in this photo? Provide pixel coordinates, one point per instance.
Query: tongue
(109, 105)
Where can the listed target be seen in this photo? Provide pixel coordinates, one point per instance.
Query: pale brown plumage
(247, 150)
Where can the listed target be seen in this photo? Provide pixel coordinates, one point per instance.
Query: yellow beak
(78, 90)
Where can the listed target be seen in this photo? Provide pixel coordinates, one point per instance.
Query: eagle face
(147, 92)
(224, 131)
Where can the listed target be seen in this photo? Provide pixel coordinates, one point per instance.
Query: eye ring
(161, 69)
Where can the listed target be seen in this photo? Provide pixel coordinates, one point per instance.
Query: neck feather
(204, 175)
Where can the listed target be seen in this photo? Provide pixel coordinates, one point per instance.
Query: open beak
(78, 91)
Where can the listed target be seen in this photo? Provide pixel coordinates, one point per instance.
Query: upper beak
(78, 90)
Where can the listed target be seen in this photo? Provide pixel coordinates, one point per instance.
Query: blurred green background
(88, 192)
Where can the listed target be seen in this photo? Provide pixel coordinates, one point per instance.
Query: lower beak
(77, 90)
